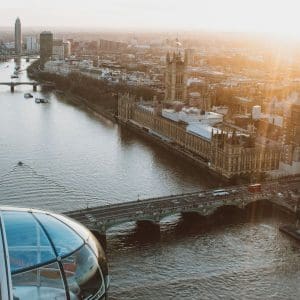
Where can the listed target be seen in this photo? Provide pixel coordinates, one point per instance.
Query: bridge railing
(184, 202)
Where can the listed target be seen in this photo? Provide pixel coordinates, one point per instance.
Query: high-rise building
(67, 48)
(295, 131)
(295, 123)
(31, 44)
(291, 132)
(175, 78)
(46, 45)
(58, 50)
(18, 37)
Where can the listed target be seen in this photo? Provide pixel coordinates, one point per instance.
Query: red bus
(254, 188)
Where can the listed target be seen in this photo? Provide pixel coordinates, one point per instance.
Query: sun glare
(279, 17)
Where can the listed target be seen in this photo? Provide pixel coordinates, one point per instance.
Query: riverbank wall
(178, 151)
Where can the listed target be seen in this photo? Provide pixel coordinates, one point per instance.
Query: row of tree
(98, 93)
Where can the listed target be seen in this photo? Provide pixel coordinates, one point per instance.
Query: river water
(73, 159)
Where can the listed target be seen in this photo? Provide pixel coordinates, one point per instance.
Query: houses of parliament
(223, 149)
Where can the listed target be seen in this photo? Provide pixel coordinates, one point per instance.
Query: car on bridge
(254, 188)
(219, 193)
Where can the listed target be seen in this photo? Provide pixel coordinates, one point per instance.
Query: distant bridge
(101, 218)
(34, 84)
(7, 56)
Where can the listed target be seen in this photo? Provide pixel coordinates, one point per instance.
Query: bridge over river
(34, 84)
(281, 193)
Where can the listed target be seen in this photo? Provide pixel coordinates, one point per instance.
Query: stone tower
(18, 37)
(175, 78)
(126, 103)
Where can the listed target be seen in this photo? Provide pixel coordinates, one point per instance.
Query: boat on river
(28, 95)
(41, 100)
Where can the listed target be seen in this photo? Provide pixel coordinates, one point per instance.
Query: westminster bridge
(284, 194)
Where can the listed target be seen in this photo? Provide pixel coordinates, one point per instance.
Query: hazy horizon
(252, 16)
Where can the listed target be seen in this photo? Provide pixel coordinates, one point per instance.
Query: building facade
(230, 158)
(46, 45)
(295, 124)
(67, 49)
(223, 152)
(111, 46)
(175, 78)
(58, 50)
(31, 44)
(18, 37)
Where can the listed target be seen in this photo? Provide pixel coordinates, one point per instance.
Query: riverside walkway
(281, 193)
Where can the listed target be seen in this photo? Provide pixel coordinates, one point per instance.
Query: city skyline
(237, 16)
(149, 148)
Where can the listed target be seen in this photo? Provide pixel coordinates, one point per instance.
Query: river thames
(74, 158)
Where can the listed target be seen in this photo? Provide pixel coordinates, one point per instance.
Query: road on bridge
(277, 192)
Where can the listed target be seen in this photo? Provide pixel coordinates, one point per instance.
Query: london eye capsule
(49, 256)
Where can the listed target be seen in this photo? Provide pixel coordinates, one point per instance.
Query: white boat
(37, 100)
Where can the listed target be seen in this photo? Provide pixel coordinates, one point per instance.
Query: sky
(276, 16)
